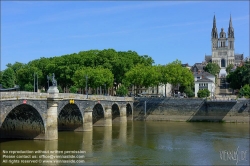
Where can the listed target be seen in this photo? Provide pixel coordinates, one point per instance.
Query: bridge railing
(36, 95)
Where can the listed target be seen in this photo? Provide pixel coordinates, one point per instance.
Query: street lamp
(104, 89)
(35, 82)
(86, 85)
(48, 80)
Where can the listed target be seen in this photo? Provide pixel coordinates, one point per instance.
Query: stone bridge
(28, 115)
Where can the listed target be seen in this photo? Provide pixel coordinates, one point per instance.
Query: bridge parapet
(41, 96)
(22, 94)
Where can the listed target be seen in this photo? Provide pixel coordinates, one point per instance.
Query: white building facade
(204, 80)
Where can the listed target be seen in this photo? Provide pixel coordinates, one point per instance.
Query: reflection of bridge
(29, 115)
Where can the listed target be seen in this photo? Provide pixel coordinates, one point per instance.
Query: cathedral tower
(214, 35)
(223, 47)
(230, 41)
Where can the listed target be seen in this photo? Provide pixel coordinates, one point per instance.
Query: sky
(163, 30)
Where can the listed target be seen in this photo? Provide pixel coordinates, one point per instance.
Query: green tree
(189, 91)
(96, 77)
(229, 68)
(240, 76)
(8, 78)
(28, 87)
(25, 76)
(164, 76)
(245, 91)
(73, 89)
(142, 76)
(122, 91)
(178, 75)
(246, 73)
(203, 93)
(1, 73)
(212, 68)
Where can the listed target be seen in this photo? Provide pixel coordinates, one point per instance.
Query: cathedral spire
(214, 22)
(230, 28)
(230, 22)
(214, 33)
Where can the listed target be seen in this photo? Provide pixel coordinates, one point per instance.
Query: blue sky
(164, 30)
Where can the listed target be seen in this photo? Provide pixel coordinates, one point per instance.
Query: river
(137, 143)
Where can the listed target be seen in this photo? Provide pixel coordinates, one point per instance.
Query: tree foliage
(178, 75)
(245, 91)
(142, 76)
(212, 68)
(96, 77)
(203, 93)
(122, 91)
(8, 78)
(229, 68)
(65, 66)
(240, 76)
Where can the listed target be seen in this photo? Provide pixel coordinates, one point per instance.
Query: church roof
(208, 58)
(204, 74)
(238, 56)
(199, 66)
(204, 80)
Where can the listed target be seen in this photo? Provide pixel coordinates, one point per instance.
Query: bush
(245, 91)
(122, 91)
(73, 89)
(203, 93)
(29, 87)
(189, 92)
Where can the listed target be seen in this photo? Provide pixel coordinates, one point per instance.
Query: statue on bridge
(53, 80)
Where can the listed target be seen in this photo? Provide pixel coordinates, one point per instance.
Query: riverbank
(191, 110)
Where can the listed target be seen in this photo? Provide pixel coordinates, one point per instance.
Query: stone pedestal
(108, 116)
(51, 126)
(123, 114)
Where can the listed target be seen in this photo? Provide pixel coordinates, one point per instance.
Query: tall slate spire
(230, 29)
(214, 33)
(214, 22)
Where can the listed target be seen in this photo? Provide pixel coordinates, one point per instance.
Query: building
(222, 46)
(204, 80)
(198, 67)
(223, 53)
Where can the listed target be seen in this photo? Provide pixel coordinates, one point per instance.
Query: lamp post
(34, 81)
(104, 89)
(48, 80)
(86, 85)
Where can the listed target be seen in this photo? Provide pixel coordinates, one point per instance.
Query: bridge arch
(98, 113)
(129, 110)
(115, 111)
(70, 118)
(24, 122)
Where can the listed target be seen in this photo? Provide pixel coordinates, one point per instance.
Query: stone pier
(123, 114)
(87, 122)
(108, 116)
(51, 127)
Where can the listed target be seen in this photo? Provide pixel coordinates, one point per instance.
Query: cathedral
(223, 48)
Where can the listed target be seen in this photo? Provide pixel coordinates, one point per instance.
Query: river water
(137, 143)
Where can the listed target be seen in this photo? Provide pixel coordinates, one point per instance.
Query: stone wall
(170, 109)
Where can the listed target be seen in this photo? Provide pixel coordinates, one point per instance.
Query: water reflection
(123, 133)
(149, 143)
